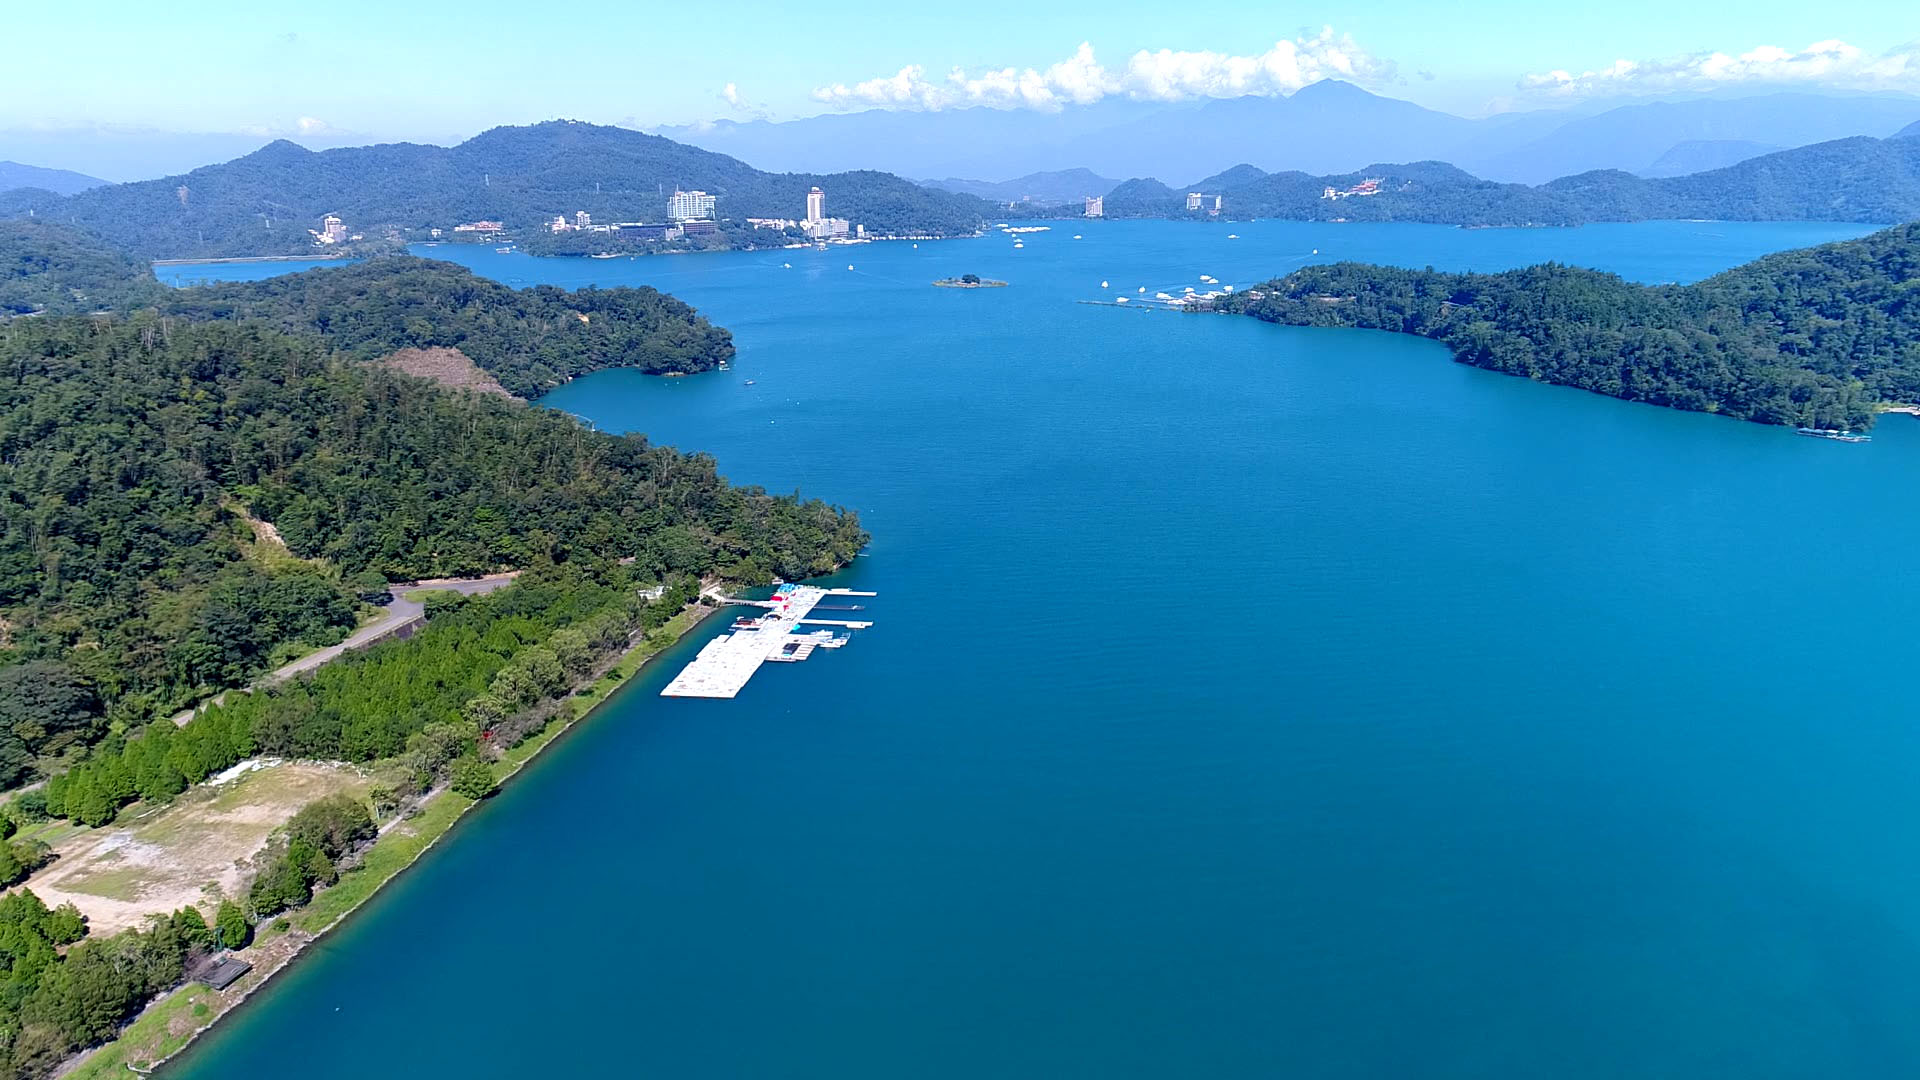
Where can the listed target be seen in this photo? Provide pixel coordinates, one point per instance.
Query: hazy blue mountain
(59, 181)
(1064, 186)
(121, 154)
(1700, 155)
(1236, 177)
(1329, 127)
(952, 142)
(1630, 136)
(1911, 131)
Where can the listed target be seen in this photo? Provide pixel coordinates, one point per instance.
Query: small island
(970, 281)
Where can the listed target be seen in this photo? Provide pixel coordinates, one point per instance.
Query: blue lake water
(1244, 701)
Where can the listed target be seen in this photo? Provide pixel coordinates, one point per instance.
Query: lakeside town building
(684, 206)
(1096, 206)
(818, 226)
(331, 231)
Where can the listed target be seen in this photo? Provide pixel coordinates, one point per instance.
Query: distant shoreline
(253, 259)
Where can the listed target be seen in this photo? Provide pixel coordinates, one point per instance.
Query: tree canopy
(134, 449)
(1815, 337)
(59, 270)
(531, 340)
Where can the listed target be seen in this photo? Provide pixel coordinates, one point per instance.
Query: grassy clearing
(161, 858)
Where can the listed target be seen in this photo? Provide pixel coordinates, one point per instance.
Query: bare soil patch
(448, 367)
(195, 851)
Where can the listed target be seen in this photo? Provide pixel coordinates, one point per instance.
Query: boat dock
(725, 664)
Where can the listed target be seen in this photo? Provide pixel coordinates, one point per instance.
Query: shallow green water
(1244, 701)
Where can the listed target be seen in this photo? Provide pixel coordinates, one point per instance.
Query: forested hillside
(60, 270)
(1815, 337)
(129, 582)
(265, 202)
(1860, 179)
(530, 339)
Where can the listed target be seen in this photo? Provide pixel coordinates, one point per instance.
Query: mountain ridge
(1330, 126)
(265, 202)
(13, 175)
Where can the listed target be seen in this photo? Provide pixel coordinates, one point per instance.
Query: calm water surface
(1244, 701)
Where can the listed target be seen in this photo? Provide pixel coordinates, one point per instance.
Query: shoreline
(258, 258)
(437, 822)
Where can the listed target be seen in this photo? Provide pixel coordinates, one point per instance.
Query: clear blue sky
(435, 70)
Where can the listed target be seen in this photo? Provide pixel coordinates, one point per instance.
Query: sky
(357, 70)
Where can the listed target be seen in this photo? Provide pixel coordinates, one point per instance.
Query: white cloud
(1826, 63)
(308, 125)
(738, 103)
(1081, 79)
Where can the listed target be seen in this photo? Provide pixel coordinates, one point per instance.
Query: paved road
(398, 615)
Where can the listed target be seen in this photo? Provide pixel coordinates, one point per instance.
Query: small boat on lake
(1832, 433)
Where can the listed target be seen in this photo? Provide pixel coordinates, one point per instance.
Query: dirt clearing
(193, 852)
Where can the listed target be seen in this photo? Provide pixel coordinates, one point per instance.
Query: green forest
(531, 340)
(1857, 179)
(65, 990)
(131, 584)
(58, 270)
(1817, 337)
(265, 203)
(480, 667)
(486, 670)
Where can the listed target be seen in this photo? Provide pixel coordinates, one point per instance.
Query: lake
(1242, 701)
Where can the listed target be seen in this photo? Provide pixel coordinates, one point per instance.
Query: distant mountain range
(1700, 155)
(1858, 179)
(119, 154)
(1064, 186)
(1328, 127)
(59, 181)
(265, 203)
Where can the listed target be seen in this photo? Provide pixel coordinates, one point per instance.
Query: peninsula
(1819, 338)
(269, 528)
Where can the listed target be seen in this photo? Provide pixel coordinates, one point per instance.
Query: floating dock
(726, 663)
